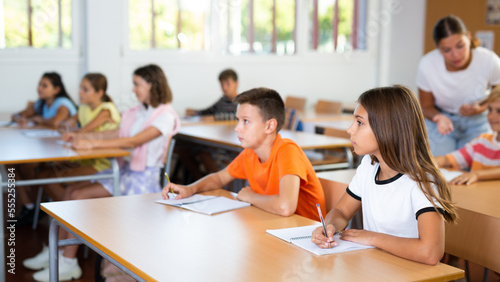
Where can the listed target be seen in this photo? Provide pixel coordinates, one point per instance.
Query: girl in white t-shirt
(453, 80)
(146, 130)
(404, 198)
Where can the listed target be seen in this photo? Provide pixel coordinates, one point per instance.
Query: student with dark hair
(224, 108)
(452, 81)
(404, 197)
(280, 176)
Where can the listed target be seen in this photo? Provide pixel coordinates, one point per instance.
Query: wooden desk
(476, 237)
(310, 119)
(163, 243)
(198, 120)
(19, 149)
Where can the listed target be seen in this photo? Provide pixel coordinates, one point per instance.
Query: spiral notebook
(301, 236)
(205, 204)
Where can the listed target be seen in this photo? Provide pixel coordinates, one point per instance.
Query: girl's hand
(181, 191)
(470, 109)
(69, 137)
(465, 179)
(360, 236)
(37, 119)
(318, 237)
(444, 124)
(82, 144)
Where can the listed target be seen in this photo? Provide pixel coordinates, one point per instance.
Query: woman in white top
(452, 81)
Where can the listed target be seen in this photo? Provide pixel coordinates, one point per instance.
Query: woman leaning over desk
(452, 81)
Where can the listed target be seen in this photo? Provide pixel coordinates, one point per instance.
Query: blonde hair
(398, 124)
(494, 95)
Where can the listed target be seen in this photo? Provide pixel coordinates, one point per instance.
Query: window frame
(69, 55)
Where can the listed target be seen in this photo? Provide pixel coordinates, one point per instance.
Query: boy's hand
(181, 191)
(245, 194)
(37, 119)
(83, 144)
(465, 179)
(318, 237)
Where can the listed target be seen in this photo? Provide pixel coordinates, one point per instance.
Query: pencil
(168, 181)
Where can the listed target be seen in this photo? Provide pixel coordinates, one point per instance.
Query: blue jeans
(466, 129)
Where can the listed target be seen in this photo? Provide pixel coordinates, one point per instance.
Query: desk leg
(2, 236)
(116, 177)
(53, 251)
(349, 157)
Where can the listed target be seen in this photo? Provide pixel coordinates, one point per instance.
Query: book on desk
(205, 204)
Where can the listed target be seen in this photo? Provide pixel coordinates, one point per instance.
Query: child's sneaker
(40, 261)
(68, 270)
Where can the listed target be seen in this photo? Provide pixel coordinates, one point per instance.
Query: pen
(168, 181)
(322, 222)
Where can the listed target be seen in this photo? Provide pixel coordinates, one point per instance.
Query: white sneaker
(67, 271)
(40, 261)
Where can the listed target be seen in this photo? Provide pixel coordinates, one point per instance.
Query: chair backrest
(297, 103)
(334, 190)
(329, 131)
(328, 107)
(291, 119)
(167, 162)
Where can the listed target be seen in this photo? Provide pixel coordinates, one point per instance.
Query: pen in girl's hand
(322, 222)
(168, 181)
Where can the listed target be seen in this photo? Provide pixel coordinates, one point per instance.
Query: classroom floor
(29, 243)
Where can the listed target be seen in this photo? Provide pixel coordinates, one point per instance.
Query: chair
(328, 107)
(294, 102)
(328, 159)
(167, 162)
(291, 119)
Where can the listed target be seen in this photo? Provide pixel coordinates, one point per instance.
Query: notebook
(450, 174)
(205, 204)
(40, 133)
(301, 236)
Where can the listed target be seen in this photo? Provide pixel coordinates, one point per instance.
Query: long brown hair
(160, 90)
(398, 124)
(99, 82)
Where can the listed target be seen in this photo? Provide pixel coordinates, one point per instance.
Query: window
(245, 26)
(36, 23)
(169, 24)
(335, 25)
(259, 26)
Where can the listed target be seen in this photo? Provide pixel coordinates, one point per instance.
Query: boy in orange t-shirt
(281, 177)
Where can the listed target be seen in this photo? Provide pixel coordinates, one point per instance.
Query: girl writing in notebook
(97, 113)
(146, 130)
(404, 198)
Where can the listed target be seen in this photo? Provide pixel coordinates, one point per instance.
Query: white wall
(193, 76)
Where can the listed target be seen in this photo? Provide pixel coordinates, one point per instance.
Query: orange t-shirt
(286, 158)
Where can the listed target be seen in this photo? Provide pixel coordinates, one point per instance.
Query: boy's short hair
(227, 74)
(268, 101)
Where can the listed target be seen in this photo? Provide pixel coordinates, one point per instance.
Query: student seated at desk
(146, 129)
(224, 106)
(223, 109)
(97, 113)
(281, 177)
(403, 196)
(53, 106)
(482, 155)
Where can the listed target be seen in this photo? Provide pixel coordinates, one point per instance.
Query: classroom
(88, 195)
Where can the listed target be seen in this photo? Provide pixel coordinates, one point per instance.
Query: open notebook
(205, 204)
(301, 236)
(450, 174)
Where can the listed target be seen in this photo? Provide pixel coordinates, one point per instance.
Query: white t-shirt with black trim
(389, 206)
